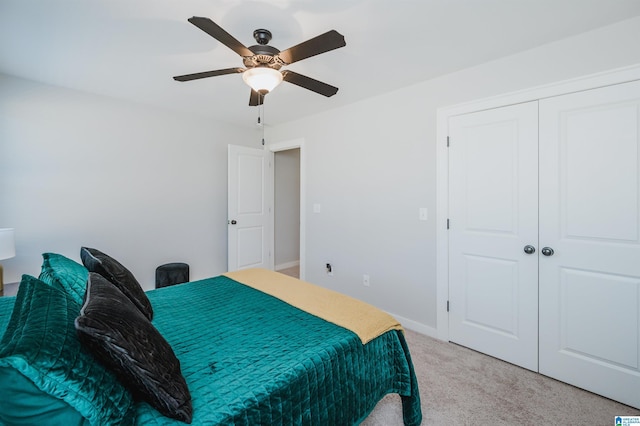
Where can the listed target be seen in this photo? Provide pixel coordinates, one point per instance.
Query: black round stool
(171, 273)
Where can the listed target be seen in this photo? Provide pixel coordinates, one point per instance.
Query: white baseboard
(287, 265)
(416, 326)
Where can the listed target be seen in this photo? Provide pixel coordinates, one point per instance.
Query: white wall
(371, 165)
(144, 185)
(149, 186)
(287, 207)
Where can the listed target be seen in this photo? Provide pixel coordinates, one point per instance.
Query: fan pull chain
(263, 124)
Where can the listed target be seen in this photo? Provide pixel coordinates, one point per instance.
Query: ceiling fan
(263, 63)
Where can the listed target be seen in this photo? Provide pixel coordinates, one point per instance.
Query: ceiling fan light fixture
(262, 79)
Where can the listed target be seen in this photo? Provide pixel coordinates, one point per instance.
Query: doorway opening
(286, 217)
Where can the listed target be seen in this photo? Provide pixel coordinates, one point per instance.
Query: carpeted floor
(459, 386)
(294, 271)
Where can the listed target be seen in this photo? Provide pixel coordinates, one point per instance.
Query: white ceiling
(130, 49)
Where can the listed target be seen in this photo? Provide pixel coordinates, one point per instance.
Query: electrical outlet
(329, 268)
(365, 280)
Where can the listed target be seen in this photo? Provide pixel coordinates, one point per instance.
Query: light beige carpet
(459, 386)
(294, 271)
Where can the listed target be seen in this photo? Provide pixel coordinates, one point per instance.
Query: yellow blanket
(367, 321)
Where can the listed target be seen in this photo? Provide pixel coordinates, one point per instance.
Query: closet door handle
(547, 251)
(529, 249)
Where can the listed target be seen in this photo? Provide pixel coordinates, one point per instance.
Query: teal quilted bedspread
(6, 307)
(251, 359)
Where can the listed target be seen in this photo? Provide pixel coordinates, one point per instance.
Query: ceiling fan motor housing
(264, 56)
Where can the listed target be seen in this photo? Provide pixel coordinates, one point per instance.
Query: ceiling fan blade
(196, 76)
(256, 98)
(309, 83)
(323, 43)
(215, 31)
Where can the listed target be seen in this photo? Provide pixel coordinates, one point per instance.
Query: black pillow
(96, 261)
(118, 335)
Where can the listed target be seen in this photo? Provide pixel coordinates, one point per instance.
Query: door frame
(592, 81)
(285, 146)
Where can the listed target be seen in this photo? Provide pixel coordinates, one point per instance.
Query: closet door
(493, 212)
(589, 217)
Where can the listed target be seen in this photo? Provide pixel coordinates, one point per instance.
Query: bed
(260, 348)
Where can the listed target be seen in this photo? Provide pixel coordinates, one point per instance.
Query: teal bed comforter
(251, 359)
(6, 307)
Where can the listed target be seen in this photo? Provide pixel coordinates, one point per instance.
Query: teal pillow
(22, 403)
(71, 276)
(41, 343)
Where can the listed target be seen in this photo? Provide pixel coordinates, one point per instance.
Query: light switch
(316, 208)
(424, 213)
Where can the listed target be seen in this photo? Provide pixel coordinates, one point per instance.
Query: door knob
(529, 249)
(233, 222)
(547, 251)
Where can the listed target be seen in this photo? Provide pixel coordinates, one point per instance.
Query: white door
(493, 213)
(589, 217)
(248, 213)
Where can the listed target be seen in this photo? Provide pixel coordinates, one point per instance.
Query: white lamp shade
(7, 243)
(262, 79)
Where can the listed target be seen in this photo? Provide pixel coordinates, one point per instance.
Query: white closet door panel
(589, 216)
(493, 288)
